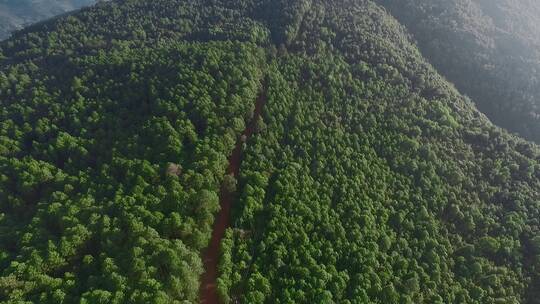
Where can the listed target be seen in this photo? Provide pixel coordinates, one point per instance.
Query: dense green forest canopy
(489, 48)
(370, 179)
(15, 14)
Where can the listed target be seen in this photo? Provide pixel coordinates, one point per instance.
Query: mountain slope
(489, 49)
(369, 178)
(111, 192)
(377, 186)
(14, 14)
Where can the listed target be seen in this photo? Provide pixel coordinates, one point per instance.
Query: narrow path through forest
(208, 289)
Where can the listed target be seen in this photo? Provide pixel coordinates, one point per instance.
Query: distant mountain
(490, 49)
(15, 14)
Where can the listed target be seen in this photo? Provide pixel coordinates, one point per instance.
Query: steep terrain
(368, 178)
(15, 14)
(489, 48)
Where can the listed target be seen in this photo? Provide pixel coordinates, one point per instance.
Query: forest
(370, 177)
(488, 48)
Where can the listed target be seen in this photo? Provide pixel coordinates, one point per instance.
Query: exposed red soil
(208, 289)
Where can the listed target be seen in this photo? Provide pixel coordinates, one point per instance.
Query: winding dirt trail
(208, 288)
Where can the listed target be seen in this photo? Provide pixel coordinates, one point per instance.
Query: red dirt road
(208, 288)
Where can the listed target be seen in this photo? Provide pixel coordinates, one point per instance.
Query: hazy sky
(15, 14)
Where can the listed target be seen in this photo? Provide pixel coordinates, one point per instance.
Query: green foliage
(374, 192)
(110, 171)
(369, 178)
(487, 48)
(229, 183)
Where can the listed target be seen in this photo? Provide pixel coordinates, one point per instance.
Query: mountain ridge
(489, 49)
(14, 15)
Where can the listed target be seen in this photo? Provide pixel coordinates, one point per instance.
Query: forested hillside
(489, 48)
(369, 178)
(15, 14)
